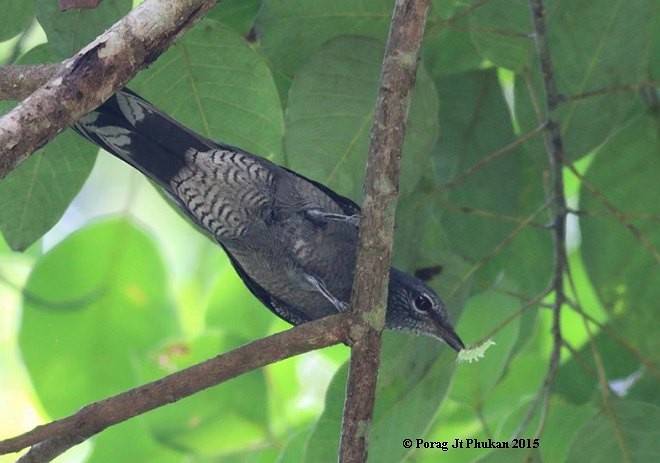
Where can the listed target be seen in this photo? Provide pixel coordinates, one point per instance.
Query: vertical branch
(555, 150)
(381, 186)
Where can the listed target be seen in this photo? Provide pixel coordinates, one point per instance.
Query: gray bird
(292, 240)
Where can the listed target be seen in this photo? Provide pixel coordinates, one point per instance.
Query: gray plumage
(292, 240)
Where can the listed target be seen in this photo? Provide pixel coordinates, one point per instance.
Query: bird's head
(414, 307)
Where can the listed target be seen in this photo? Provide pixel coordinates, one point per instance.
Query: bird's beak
(446, 333)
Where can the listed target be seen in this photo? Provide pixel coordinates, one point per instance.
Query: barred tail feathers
(138, 133)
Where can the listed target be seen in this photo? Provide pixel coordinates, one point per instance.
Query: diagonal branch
(93, 74)
(381, 186)
(51, 439)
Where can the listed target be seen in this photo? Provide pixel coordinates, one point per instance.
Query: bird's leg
(319, 215)
(319, 286)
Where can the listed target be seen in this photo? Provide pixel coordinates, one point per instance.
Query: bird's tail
(140, 134)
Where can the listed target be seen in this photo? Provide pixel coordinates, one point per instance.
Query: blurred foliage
(113, 289)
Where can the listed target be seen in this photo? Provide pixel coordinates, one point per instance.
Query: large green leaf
(93, 305)
(234, 310)
(495, 418)
(140, 445)
(69, 31)
(237, 14)
(577, 382)
(562, 427)
(594, 45)
(218, 420)
(488, 198)
(34, 196)
(473, 382)
(623, 263)
(448, 47)
(215, 83)
(294, 450)
(412, 383)
(16, 15)
(625, 431)
(330, 110)
(309, 23)
(501, 32)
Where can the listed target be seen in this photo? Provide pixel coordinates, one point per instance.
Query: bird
(292, 240)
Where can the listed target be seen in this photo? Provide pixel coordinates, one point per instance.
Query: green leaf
(473, 382)
(308, 24)
(297, 386)
(237, 14)
(330, 111)
(214, 421)
(501, 31)
(412, 383)
(16, 15)
(140, 445)
(562, 427)
(215, 83)
(69, 31)
(594, 45)
(497, 418)
(576, 380)
(34, 196)
(624, 431)
(491, 199)
(234, 310)
(654, 64)
(93, 305)
(294, 449)
(446, 50)
(623, 263)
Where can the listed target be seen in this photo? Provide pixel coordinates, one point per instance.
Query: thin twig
(648, 364)
(534, 302)
(555, 150)
(501, 246)
(619, 215)
(487, 214)
(490, 158)
(612, 89)
(381, 186)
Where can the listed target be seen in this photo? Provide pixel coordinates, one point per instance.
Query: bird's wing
(348, 206)
(285, 311)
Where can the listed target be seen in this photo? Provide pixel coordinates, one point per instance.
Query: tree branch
(381, 187)
(52, 439)
(93, 74)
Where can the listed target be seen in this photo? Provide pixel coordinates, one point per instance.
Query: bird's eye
(423, 303)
